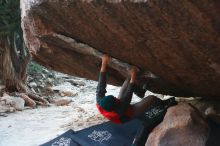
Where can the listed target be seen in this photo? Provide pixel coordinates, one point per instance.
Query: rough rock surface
(182, 126)
(10, 103)
(177, 41)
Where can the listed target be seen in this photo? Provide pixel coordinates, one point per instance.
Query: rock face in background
(183, 126)
(176, 43)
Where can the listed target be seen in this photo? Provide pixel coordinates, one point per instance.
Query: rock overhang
(177, 41)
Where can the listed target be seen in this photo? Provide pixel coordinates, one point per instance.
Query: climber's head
(108, 102)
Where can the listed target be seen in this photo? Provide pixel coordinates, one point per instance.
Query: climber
(119, 110)
(150, 109)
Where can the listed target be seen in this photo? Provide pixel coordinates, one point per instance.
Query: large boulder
(183, 125)
(176, 43)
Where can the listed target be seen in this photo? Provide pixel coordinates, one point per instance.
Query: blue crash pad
(105, 134)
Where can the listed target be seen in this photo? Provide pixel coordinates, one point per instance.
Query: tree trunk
(1, 65)
(14, 63)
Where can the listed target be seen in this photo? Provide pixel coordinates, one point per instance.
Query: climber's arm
(101, 87)
(126, 99)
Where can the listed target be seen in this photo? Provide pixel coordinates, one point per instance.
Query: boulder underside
(175, 43)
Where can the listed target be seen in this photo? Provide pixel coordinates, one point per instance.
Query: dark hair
(108, 102)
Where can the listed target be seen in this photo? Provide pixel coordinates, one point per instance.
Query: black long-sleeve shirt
(101, 87)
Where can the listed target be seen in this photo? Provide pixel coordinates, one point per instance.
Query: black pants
(140, 107)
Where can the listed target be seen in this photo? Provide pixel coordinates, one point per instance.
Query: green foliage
(10, 23)
(10, 27)
(34, 67)
(10, 17)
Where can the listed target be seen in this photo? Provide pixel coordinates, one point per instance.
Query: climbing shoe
(140, 91)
